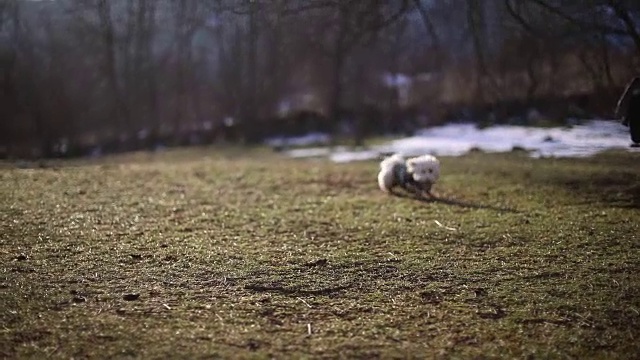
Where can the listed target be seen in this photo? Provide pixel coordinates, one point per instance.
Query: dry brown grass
(194, 254)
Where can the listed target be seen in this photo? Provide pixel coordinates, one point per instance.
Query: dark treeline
(80, 77)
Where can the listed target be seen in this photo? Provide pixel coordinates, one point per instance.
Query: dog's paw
(430, 195)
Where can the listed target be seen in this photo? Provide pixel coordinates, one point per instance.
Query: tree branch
(521, 20)
(428, 24)
(582, 25)
(377, 26)
(244, 9)
(623, 15)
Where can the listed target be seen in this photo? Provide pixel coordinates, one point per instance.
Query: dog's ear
(411, 163)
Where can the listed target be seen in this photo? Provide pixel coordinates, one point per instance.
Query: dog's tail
(386, 177)
(392, 161)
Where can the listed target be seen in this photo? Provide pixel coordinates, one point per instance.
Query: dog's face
(424, 169)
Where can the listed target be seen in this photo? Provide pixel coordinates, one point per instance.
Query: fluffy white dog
(416, 174)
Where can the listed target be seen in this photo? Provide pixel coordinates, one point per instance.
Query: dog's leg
(427, 190)
(421, 190)
(414, 189)
(430, 194)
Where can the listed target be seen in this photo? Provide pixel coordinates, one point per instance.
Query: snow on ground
(457, 139)
(304, 140)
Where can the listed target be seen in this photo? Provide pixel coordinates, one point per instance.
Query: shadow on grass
(621, 190)
(456, 202)
(623, 199)
(338, 278)
(371, 280)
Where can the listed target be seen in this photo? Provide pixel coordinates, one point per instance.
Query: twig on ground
(304, 302)
(446, 227)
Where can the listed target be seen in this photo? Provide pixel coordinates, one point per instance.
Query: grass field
(244, 254)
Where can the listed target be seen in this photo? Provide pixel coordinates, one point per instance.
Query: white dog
(416, 174)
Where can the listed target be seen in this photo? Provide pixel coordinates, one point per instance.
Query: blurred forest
(87, 77)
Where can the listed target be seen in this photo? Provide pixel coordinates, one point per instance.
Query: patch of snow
(348, 156)
(396, 80)
(458, 139)
(309, 152)
(143, 133)
(304, 140)
(229, 121)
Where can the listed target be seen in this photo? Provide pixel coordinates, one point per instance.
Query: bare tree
(354, 22)
(92, 71)
(117, 108)
(9, 27)
(586, 17)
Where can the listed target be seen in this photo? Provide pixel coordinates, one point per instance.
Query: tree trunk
(339, 55)
(150, 72)
(116, 107)
(476, 22)
(249, 111)
(181, 48)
